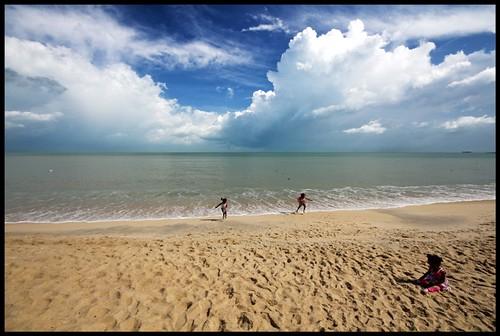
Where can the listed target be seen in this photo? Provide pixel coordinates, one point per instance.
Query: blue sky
(250, 78)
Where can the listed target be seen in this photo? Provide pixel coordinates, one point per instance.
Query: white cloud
(227, 90)
(400, 23)
(272, 24)
(353, 70)
(469, 121)
(445, 22)
(261, 101)
(372, 127)
(19, 119)
(486, 76)
(325, 110)
(10, 125)
(420, 124)
(108, 100)
(29, 116)
(192, 54)
(94, 33)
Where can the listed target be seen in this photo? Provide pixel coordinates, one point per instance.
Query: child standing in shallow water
(223, 207)
(434, 280)
(302, 202)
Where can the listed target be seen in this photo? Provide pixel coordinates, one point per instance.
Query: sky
(156, 78)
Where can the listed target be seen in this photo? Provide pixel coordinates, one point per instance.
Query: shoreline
(336, 271)
(107, 222)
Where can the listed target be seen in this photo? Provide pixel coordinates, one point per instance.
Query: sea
(141, 186)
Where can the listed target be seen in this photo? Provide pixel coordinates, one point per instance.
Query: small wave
(127, 206)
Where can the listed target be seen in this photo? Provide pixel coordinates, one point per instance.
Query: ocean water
(77, 187)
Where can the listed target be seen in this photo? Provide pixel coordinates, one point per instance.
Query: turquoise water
(67, 187)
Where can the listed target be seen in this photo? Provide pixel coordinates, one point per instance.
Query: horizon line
(238, 152)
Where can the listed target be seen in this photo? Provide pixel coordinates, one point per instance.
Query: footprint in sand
(229, 291)
(222, 325)
(252, 299)
(244, 322)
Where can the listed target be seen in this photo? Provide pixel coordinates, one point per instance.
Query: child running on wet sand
(434, 280)
(223, 207)
(302, 202)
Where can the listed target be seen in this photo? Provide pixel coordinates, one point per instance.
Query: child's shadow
(406, 280)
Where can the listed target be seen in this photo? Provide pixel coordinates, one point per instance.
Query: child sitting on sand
(223, 207)
(302, 202)
(434, 280)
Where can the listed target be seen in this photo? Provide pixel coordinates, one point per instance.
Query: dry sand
(342, 271)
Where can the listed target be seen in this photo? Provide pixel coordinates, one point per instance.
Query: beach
(332, 271)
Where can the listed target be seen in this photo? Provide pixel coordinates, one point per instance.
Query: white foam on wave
(251, 202)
